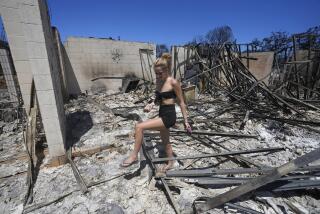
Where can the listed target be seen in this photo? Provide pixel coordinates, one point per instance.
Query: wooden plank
(302, 103)
(174, 205)
(248, 61)
(298, 62)
(82, 184)
(29, 144)
(210, 203)
(78, 153)
(295, 66)
(174, 58)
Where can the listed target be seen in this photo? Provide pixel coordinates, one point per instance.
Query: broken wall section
(262, 66)
(90, 58)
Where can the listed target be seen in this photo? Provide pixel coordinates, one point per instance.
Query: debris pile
(56, 188)
(253, 149)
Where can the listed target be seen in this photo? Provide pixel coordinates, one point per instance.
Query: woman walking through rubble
(168, 89)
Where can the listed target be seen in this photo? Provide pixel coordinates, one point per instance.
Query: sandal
(166, 168)
(126, 164)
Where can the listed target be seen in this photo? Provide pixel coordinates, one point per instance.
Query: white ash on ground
(132, 192)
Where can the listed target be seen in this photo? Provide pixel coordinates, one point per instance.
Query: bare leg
(165, 140)
(153, 124)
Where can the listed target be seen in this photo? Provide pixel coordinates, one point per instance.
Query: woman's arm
(150, 105)
(177, 89)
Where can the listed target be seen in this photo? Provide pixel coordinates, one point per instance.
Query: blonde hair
(164, 61)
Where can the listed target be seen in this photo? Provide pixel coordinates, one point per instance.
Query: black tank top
(165, 95)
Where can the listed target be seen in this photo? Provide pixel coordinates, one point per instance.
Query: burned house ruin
(68, 111)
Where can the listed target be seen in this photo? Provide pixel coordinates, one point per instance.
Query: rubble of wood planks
(293, 101)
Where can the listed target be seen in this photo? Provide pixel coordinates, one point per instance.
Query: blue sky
(178, 21)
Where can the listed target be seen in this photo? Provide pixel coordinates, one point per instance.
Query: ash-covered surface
(12, 183)
(91, 127)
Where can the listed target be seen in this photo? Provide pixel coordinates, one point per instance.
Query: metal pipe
(209, 172)
(273, 149)
(212, 133)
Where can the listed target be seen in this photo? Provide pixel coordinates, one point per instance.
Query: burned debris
(68, 114)
(223, 74)
(237, 93)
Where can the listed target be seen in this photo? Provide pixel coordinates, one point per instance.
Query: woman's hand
(148, 107)
(187, 127)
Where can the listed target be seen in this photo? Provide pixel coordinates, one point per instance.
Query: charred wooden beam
(210, 203)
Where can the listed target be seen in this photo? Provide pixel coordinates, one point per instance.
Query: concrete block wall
(30, 39)
(56, 121)
(8, 71)
(60, 56)
(90, 58)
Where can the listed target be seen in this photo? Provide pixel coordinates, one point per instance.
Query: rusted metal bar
(264, 170)
(242, 209)
(236, 171)
(212, 133)
(272, 149)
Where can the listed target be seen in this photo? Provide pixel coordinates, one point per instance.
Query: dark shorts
(168, 115)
